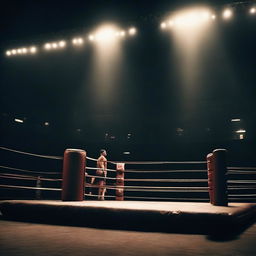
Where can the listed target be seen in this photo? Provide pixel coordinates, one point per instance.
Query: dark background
(148, 100)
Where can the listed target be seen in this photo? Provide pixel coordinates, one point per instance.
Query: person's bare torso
(102, 164)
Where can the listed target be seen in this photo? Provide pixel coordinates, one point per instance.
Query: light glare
(47, 46)
(253, 10)
(62, 43)
(195, 17)
(122, 33)
(33, 49)
(132, 31)
(227, 14)
(241, 131)
(163, 25)
(17, 120)
(91, 37)
(77, 41)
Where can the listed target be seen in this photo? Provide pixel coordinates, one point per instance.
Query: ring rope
(168, 180)
(93, 195)
(29, 171)
(162, 162)
(242, 181)
(95, 160)
(242, 195)
(240, 172)
(149, 188)
(19, 175)
(242, 168)
(90, 158)
(169, 190)
(27, 187)
(95, 168)
(17, 178)
(240, 188)
(59, 189)
(94, 176)
(161, 171)
(30, 154)
(165, 198)
(28, 178)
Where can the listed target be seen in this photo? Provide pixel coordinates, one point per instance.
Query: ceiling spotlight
(227, 13)
(54, 45)
(253, 10)
(163, 25)
(122, 33)
(14, 51)
(132, 31)
(91, 37)
(47, 46)
(33, 49)
(171, 23)
(62, 43)
(19, 51)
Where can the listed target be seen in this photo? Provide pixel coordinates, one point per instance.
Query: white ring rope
(168, 190)
(242, 181)
(92, 159)
(95, 168)
(168, 180)
(240, 172)
(93, 195)
(240, 188)
(100, 177)
(28, 178)
(242, 168)
(165, 198)
(95, 160)
(30, 154)
(28, 171)
(162, 162)
(27, 187)
(19, 175)
(162, 171)
(17, 178)
(242, 195)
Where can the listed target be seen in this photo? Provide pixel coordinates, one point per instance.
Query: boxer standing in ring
(102, 172)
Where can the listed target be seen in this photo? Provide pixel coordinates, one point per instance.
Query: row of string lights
(198, 16)
(188, 18)
(102, 35)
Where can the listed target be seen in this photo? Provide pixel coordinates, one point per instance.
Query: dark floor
(20, 239)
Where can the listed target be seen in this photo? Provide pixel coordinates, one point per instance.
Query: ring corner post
(120, 167)
(209, 159)
(73, 177)
(220, 190)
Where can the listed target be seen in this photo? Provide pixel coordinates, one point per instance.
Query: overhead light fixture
(227, 13)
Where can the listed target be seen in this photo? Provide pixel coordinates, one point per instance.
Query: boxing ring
(171, 196)
(182, 181)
